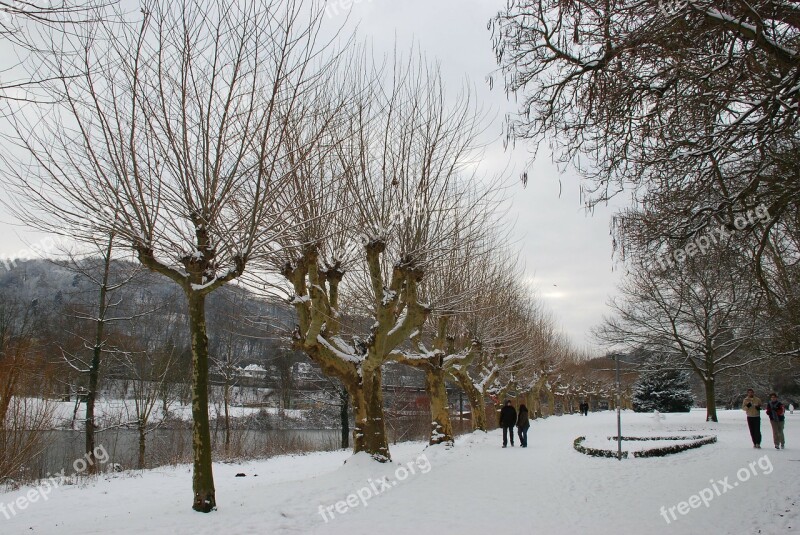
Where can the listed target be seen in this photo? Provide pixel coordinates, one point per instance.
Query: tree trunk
(94, 368)
(478, 406)
(478, 414)
(91, 396)
(711, 400)
(142, 444)
(442, 429)
(164, 403)
(369, 434)
(202, 478)
(226, 400)
(475, 397)
(9, 387)
(344, 415)
(535, 403)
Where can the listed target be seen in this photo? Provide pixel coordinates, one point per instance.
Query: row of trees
(242, 142)
(691, 108)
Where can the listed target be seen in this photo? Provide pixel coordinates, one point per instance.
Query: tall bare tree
(699, 317)
(380, 219)
(454, 283)
(107, 279)
(699, 104)
(173, 135)
(690, 106)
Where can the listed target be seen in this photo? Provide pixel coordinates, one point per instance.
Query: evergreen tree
(662, 390)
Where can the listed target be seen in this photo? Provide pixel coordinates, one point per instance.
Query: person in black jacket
(775, 411)
(508, 419)
(523, 423)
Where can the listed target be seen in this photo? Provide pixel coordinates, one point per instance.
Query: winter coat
(508, 416)
(775, 411)
(523, 422)
(752, 410)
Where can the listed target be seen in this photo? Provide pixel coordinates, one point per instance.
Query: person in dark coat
(775, 411)
(523, 423)
(508, 419)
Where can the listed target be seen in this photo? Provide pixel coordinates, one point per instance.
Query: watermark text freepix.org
(717, 488)
(335, 7)
(374, 487)
(46, 486)
(703, 242)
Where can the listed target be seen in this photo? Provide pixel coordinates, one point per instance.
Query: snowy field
(477, 487)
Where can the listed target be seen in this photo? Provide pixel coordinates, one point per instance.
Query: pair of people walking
(775, 412)
(510, 418)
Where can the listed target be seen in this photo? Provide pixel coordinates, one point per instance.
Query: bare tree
(377, 225)
(25, 414)
(699, 104)
(30, 29)
(452, 287)
(19, 325)
(108, 279)
(174, 136)
(692, 107)
(147, 370)
(700, 317)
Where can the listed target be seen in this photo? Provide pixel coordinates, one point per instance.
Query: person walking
(508, 419)
(775, 412)
(752, 407)
(523, 423)
(585, 408)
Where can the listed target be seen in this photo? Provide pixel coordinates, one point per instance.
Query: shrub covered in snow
(662, 390)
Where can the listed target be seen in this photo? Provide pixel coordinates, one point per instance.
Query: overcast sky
(567, 253)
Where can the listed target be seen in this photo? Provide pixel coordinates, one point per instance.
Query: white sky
(566, 252)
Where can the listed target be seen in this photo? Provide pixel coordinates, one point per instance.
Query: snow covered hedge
(594, 452)
(693, 441)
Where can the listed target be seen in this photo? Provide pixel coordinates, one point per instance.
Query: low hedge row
(594, 452)
(695, 441)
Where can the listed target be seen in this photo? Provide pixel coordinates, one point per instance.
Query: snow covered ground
(477, 487)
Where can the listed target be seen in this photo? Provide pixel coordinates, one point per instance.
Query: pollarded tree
(490, 333)
(476, 374)
(382, 212)
(452, 285)
(172, 133)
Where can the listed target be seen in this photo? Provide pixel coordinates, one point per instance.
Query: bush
(663, 391)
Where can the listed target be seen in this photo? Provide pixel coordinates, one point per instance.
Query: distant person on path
(752, 407)
(523, 423)
(585, 408)
(791, 408)
(775, 411)
(508, 419)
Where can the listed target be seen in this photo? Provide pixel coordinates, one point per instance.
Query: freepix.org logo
(46, 486)
(671, 8)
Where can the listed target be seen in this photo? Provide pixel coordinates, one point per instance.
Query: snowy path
(478, 487)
